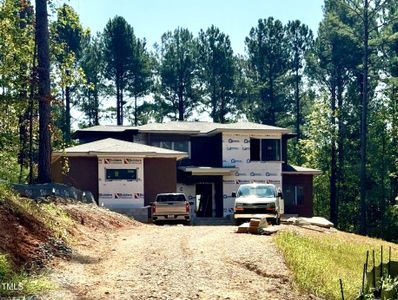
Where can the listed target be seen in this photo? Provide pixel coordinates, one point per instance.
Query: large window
(120, 174)
(265, 150)
(293, 194)
(182, 146)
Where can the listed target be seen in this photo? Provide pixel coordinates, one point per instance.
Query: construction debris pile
(258, 226)
(263, 226)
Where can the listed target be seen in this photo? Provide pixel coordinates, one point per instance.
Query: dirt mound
(96, 217)
(26, 240)
(33, 233)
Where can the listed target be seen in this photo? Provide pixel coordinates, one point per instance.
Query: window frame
(159, 143)
(261, 152)
(120, 179)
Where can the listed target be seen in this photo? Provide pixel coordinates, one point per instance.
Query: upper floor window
(265, 150)
(182, 146)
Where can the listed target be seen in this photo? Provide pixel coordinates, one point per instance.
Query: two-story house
(218, 158)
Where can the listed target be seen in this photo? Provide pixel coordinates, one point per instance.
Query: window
(265, 150)
(182, 146)
(155, 143)
(166, 145)
(270, 150)
(293, 194)
(255, 150)
(121, 174)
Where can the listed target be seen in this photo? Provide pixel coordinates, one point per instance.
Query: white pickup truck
(171, 207)
(260, 201)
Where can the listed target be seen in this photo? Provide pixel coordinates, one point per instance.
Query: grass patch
(21, 284)
(319, 261)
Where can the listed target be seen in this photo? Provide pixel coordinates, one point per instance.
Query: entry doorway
(204, 196)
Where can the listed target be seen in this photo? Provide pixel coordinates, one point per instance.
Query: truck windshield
(169, 198)
(258, 191)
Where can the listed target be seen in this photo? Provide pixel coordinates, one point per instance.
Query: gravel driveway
(175, 262)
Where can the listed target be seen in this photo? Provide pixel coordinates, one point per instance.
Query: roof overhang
(312, 172)
(81, 133)
(290, 135)
(118, 154)
(183, 132)
(206, 171)
(250, 131)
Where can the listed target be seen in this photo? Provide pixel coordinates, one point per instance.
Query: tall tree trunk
(222, 108)
(383, 176)
(394, 144)
(180, 102)
(23, 118)
(23, 139)
(67, 111)
(31, 113)
(297, 98)
(214, 114)
(121, 106)
(333, 163)
(364, 113)
(44, 175)
(272, 101)
(117, 103)
(135, 111)
(340, 144)
(298, 114)
(96, 107)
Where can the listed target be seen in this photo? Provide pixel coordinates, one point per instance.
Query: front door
(204, 194)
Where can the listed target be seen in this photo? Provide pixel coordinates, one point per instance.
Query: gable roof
(196, 127)
(116, 147)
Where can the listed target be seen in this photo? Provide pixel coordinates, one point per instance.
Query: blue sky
(151, 18)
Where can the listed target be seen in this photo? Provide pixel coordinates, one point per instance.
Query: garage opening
(204, 195)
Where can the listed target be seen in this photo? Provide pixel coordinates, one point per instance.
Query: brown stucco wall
(305, 209)
(83, 173)
(160, 176)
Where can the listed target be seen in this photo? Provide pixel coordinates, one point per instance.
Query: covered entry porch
(204, 187)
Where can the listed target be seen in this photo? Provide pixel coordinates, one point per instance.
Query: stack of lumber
(257, 226)
(244, 228)
(253, 226)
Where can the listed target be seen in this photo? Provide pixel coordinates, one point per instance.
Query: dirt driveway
(175, 262)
